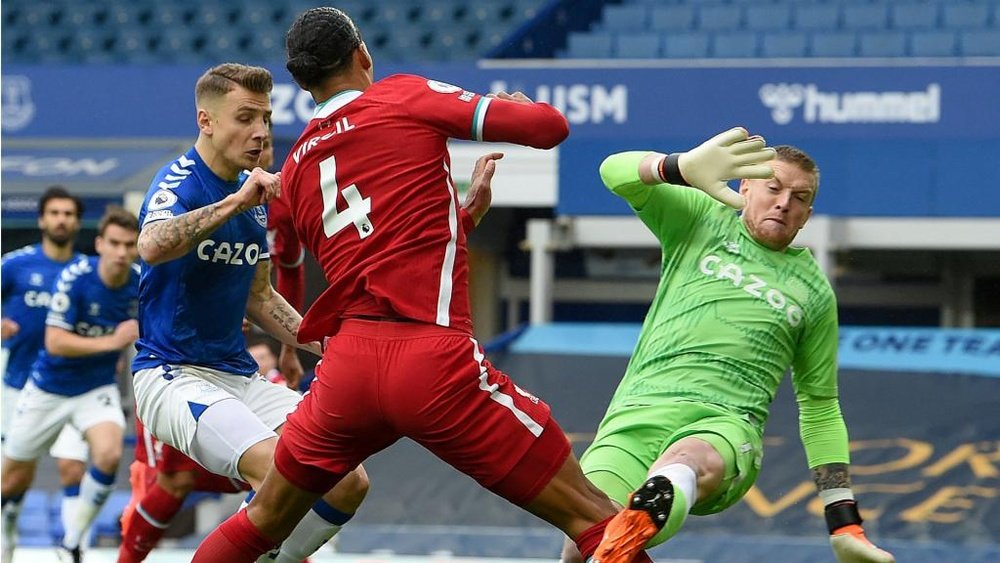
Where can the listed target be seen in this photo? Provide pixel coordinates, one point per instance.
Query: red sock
(588, 541)
(143, 534)
(236, 540)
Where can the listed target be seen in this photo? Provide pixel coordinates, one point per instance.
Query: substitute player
(205, 265)
(736, 307)
(370, 189)
(91, 320)
(27, 276)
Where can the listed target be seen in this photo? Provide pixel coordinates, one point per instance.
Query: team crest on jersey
(94, 310)
(443, 87)
(731, 246)
(36, 279)
(162, 199)
(260, 215)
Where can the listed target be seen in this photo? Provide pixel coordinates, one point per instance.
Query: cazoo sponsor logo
(921, 106)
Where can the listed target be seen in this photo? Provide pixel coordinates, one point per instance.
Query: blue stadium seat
(124, 15)
(959, 15)
(222, 43)
(442, 12)
(914, 16)
(176, 44)
(685, 46)
(256, 13)
(720, 17)
(526, 9)
(624, 17)
(81, 14)
(167, 16)
(816, 17)
(833, 44)
(40, 14)
(91, 42)
(490, 37)
(882, 44)
(132, 42)
(596, 45)
(268, 44)
(783, 44)
(933, 44)
(217, 16)
(486, 12)
(672, 18)
(734, 45)
(980, 43)
(866, 16)
(637, 45)
(774, 17)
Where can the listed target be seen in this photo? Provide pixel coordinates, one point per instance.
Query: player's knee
(351, 490)
(70, 471)
(107, 457)
(178, 483)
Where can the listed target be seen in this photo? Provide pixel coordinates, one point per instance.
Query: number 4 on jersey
(357, 209)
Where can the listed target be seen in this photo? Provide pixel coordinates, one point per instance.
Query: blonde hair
(222, 79)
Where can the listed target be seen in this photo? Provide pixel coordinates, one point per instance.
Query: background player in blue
(27, 277)
(206, 263)
(91, 319)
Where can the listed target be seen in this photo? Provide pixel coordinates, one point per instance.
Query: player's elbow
(54, 342)
(150, 253)
(554, 131)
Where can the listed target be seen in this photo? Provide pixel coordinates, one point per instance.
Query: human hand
(259, 188)
(126, 333)
(480, 194)
(9, 327)
(729, 155)
(518, 97)
(290, 366)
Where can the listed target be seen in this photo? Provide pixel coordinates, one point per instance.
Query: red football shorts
(170, 460)
(380, 381)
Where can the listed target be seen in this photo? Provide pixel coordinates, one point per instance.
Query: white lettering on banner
(235, 254)
(581, 103)
(713, 266)
(57, 166)
(851, 107)
(290, 105)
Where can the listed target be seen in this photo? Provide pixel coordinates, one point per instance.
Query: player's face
(240, 124)
(778, 207)
(117, 248)
(59, 222)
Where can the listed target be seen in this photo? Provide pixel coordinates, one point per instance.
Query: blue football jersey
(27, 276)
(83, 305)
(191, 309)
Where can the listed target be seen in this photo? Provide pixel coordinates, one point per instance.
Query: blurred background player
(736, 307)
(205, 265)
(384, 226)
(27, 276)
(91, 319)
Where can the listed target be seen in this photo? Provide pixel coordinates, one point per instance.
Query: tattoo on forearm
(286, 317)
(270, 305)
(183, 232)
(832, 476)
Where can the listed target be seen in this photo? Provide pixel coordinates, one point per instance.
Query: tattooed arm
(269, 310)
(172, 238)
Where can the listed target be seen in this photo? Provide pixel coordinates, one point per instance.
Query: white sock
(321, 523)
(67, 513)
(11, 512)
(683, 478)
(95, 489)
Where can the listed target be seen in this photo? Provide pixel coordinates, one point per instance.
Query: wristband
(670, 171)
(840, 514)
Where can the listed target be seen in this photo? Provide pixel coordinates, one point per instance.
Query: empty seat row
(598, 45)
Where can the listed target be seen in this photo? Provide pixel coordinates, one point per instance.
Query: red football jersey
(370, 190)
(287, 254)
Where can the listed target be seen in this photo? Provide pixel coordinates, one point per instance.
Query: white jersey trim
(479, 118)
(502, 398)
(327, 108)
(448, 266)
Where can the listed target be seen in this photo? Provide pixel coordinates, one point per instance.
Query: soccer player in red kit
(370, 191)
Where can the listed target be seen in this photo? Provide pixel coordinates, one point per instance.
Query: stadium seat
(125, 15)
(167, 16)
(486, 12)
(719, 18)
(914, 16)
(526, 9)
(624, 17)
(672, 18)
(442, 12)
(79, 15)
(816, 17)
(268, 44)
(685, 46)
(39, 14)
(595, 45)
(959, 15)
(263, 14)
(734, 45)
(776, 17)
(781, 44)
(980, 43)
(833, 44)
(933, 44)
(866, 16)
(637, 45)
(882, 44)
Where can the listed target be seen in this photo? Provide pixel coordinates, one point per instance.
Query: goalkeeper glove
(847, 538)
(726, 156)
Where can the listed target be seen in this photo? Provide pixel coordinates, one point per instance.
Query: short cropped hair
(59, 192)
(799, 157)
(117, 215)
(319, 45)
(222, 79)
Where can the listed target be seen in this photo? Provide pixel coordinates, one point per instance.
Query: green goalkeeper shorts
(630, 439)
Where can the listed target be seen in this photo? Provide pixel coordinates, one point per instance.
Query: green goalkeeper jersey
(730, 316)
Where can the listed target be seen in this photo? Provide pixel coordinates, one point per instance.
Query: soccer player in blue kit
(27, 276)
(205, 263)
(91, 319)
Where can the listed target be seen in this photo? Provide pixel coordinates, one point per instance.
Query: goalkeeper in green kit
(735, 308)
